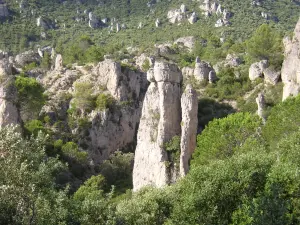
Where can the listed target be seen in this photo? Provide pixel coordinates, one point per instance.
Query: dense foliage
(237, 178)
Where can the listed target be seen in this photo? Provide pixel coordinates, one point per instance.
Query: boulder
(175, 16)
(188, 42)
(271, 76)
(26, 58)
(201, 72)
(189, 123)
(193, 18)
(256, 69)
(232, 60)
(212, 76)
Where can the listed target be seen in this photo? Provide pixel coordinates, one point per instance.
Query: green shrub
(70, 149)
(33, 127)
(105, 101)
(30, 96)
(223, 137)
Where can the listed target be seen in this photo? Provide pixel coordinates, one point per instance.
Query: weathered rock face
(123, 85)
(271, 76)
(5, 67)
(3, 10)
(176, 16)
(291, 65)
(256, 69)
(188, 42)
(111, 129)
(160, 121)
(9, 113)
(202, 70)
(261, 105)
(189, 123)
(27, 57)
(58, 63)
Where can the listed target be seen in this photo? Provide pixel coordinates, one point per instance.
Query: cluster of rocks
(110, 130)
(164, 110)
(262, 70)
(181, 14)
(203, 72)
(211, 7)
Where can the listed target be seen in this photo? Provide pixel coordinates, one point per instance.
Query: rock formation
(58, 63)
(188, 42)
(193, 18)
(9, 113)
(202, 70)
(290, 72)
(261, 105)
(256, 69)
(3, 9)
(110, 129)
(160, 121)
(189, 123)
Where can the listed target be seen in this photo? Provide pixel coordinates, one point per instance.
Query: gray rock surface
(9, 113)
(261, 105)
(3, 9)
(291, 65)
(256, 69)
(160, 121)
(189, 123)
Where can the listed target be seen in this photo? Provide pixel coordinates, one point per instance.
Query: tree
(28, 193)
(265, 44)
(223, 137)
(83, 98)
(31, 97)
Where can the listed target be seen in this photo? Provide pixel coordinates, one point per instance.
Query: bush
(33, 127)
(70, 149)
(105, 101)
(232, 133)
(30, 97)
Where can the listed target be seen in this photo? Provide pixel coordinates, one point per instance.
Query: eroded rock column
(160, 121)
(189, 107)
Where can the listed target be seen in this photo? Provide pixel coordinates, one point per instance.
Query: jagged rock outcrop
(232, 60)
(160, 121)
(256, 69)
(45, 23)
(26, 58)
(5, 68)
(187, 71)
(290, 72)
(261, 105)
(193, 18)
(202, 70)
(58, 63)
(109, 129)
(94, 22)
(188, 42)
(189, 123)
(271, 76)
(3, 9)
(9, 113)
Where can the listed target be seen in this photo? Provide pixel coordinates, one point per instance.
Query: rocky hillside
(113, 99)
